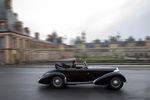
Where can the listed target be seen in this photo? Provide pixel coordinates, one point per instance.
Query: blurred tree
(77, 40)
(147, 38)
(54, 34)
(54, 38)
(49, 38)
(113, 39)
(83, 35)
(59, 40)
(118, 36)
(97, 41)
(130, 39)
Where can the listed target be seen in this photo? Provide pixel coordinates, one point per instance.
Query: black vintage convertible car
(64, 75)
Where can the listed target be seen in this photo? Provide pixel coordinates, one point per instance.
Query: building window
(13, 42)
(145, 55)
(3, 24)
(141, 54)
(21, 43)
(2, 42)
(26, 44)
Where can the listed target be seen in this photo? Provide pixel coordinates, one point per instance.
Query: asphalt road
(21, 84)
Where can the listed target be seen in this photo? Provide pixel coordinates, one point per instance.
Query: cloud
(98, 18)
(103, 24)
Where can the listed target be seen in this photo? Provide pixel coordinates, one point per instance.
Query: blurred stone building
(16, 44)
(116, 49)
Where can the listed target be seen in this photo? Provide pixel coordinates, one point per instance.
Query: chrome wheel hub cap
(57, 81)
(116, 82)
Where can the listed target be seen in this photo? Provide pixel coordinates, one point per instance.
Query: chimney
(27, 30)
(19, 26)
(37, 35)
(8, 4)
(16, 15)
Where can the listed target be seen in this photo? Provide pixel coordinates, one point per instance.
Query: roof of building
(10, 17)
(119, 43)
(2, 10)
(140, 43)
(89, 45)
(101, 44)
(105, 44)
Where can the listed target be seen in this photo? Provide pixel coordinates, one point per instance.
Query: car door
(77, 75)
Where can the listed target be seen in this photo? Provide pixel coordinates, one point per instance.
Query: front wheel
(115, 83)
(57, 82)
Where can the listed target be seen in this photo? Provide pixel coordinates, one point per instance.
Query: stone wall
(44, 55)
(47, 55)
(120, 53)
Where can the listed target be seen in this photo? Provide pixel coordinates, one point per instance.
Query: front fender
(46, 78)
(106, 77)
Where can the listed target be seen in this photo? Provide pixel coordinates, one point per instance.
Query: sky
(99, 19)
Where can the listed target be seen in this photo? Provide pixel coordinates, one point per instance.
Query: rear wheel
(57, 82)
(115, 83)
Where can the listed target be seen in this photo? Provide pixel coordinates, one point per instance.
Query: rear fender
(106, 77)
(49, 76)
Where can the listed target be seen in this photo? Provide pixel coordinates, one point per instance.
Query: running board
(73, 83)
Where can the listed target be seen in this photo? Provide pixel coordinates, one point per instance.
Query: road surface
(21, 84)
